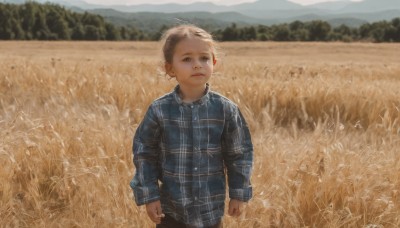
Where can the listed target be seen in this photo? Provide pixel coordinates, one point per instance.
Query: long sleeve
(238, 156)
(146, 160)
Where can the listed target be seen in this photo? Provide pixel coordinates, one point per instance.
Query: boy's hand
(235, 207)
(154, 211)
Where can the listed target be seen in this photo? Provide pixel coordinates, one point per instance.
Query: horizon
(217, 2)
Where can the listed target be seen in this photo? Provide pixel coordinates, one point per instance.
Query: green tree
(135, 34)
(40, 29)
(112, 32)
(396, 25)
(92, 33)
(230, 33)
(365, 31)
(53, 22)
(263, 33)
(281, 32)
(248, 33)
(78, 32)
(298, 31)
(343, 29)
(28, 11)
(156, 36)
(6, 32)
(342, 32)
(57, 25)
(380, 31)
(90, 21)
(296, 25)
(390, 34)
(18, 32)
(318, 30)
(124, 33)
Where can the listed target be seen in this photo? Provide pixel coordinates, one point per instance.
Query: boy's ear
(214, 59)
(168, 69)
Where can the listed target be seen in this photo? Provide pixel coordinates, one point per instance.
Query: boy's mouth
(197, 75)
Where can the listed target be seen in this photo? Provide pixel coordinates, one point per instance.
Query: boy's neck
(190, 94)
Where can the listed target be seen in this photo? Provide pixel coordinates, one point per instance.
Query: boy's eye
(187, 59)
(205, 58)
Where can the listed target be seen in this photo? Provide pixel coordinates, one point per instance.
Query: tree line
(35, 21)
(383, 31)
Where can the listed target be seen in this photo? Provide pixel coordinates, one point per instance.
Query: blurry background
(324, 116)
(277, 20)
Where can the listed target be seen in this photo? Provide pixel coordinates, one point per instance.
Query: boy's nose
(196, 65)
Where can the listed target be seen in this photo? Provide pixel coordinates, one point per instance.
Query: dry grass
(325, 121)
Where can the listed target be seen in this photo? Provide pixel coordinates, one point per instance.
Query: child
(187, 139)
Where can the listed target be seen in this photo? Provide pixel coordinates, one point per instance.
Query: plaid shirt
(185, 148)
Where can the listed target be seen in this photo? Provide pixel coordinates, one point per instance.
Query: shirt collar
(200, 101)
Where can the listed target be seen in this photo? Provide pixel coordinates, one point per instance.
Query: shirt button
(195, 168)
(195, 198)
(195, 118)
(191, 106)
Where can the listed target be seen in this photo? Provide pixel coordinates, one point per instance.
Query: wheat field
(324, 118)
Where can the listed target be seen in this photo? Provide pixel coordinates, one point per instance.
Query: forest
(35, 21)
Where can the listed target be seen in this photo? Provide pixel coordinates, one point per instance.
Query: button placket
(196, 152)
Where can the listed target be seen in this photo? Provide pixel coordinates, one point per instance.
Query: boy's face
(192, 63)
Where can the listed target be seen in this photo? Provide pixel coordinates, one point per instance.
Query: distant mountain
(173, 8)
(150, 17)
(331, 6)
(372, 6)
(68, 3)
(349, 21)
(371, 16)
(267, 5)
(281, 14)
(13, 1)
(153, 21)
(344, 6)
(77, 3)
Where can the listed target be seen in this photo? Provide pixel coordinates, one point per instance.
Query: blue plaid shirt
(181, 151)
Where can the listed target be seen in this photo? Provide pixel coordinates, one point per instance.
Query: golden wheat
(324, 121)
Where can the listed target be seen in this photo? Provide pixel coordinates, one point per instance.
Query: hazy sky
(220, 2)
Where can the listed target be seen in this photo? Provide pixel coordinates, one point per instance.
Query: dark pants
(169, 222)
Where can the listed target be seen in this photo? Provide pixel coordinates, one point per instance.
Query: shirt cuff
(242, 194)
(145, 195)
(141, 202)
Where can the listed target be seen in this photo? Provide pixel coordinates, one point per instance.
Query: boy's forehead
(191, 45)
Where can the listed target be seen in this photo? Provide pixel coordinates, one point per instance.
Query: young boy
(189, 139)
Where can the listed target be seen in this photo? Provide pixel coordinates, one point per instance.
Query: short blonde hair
(176, 34)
